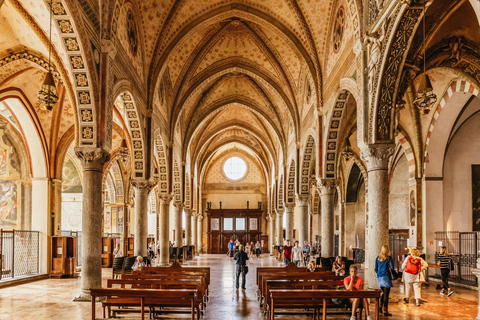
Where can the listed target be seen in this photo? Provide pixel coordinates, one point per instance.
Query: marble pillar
(142, 188)
(188, 227)
(177, 222)
(164, 228)
(303, 218)
(195, 233)
(272, 232)
(92, 160)
(376, 221)
(289, 209)
(279, 226)
(327, 188)
(200, 234)
(57, 206)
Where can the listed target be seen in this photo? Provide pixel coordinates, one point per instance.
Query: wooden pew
(316, 299)
(148, 298)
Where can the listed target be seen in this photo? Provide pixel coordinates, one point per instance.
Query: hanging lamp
(48, 92)
(426, 98)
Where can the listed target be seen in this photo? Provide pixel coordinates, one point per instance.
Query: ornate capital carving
(165, 198)
(178, 205)
(327, 186)
(141, 185)
(377, 156)
(302, 200)
(92, 158)
(187, 211)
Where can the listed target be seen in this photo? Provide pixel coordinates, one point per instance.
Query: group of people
(250, 248)
(296, 254)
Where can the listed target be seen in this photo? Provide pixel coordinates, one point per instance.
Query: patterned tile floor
(52, 298)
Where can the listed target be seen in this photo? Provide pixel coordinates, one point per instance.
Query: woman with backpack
(414, 276)
(446, 264)
(383, 269)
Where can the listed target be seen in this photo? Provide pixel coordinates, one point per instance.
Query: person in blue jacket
(383, 265)
(230, 247)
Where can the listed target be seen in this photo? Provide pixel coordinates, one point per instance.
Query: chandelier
(48, 92)
(426, 98)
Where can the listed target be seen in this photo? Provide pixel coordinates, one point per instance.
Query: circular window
(235, 168)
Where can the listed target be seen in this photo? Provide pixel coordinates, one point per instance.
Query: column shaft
(177, 219)
(200, 234)
(279, 232)
(195, 233)
(27, 206)
(272, 232)
(164, 229)
(376, 220)
(302, 219)
(92, 163)
(141, 219)
(289, 209)
(188, 228)
(327, 207)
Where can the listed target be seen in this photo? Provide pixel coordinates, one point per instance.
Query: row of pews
(156, 290)
(292, 290)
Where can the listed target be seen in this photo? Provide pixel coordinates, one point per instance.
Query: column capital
(303, 199)
(271, 216)
(200, 218)
(187, 211)
(165, 198)
(290, 206)
(327, 186)
(178, 205)
(141, 184)
(92, 158)
(377, 155)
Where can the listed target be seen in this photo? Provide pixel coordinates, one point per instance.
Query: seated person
(139, 264)
(354, 282)
(312, 267)
(339, 266)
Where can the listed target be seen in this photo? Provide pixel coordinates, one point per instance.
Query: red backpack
(413, 265)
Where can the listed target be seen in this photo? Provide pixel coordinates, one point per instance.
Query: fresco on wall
(8, 203)
(107, 226)
(71, 178)
(3, 162)
(120, 218)
(476, 197)
(413, 208)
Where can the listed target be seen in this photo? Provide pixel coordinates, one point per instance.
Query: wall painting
(8, 203)
(476, 197)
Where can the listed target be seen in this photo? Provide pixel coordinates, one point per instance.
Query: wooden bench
(317, 299)
(147, 298)
(176, 267)
(163, 283)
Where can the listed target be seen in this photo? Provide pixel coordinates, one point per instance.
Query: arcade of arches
(302, 109)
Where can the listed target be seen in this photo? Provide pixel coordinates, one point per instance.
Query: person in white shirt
(297, 254)
(118, 252)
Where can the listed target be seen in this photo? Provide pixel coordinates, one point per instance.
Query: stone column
(289, 209)
(476, 272)
(188, 227)
(342, 249)
(272, 232)
(92, 160)
(164, 222)
(327, 187)
(177, 222)
(303, 218)
(376, 225)
(27, 205)
(57, 206)
(200, 234)
(279, 225)
(142, 188)
(195, 233)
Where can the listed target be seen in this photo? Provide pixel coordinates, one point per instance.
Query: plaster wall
(398, 201)
(40, 219)
(355, 221)
(72, 211)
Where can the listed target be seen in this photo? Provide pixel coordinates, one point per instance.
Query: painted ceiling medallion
(338, 29)
(132, 32)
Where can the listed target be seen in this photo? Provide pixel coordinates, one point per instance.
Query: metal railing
(78, 235)
(464, 248)
(19, 253)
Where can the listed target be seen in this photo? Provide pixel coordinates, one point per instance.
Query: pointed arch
(177, 183)
(161, 153)
(291, 183)
(308, 158)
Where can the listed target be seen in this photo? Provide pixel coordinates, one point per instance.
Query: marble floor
(52, 298)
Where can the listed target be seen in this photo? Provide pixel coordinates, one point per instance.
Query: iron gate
(464, 248)
(19, 253)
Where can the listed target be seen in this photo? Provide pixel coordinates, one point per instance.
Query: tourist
(118, 252)
(383, 267)
(252, 249)
(241, 258)
(297, 254)
(287, 252)
(446, 264)
(151, 252)
(354, 282)
(312, 267)
(339, 266)
(258, 248)
(414, 276)
(230, 247)
(139, 264)
(306, 249)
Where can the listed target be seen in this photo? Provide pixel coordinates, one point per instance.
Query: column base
(83, 296)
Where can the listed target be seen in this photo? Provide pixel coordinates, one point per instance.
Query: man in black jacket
(241, 257)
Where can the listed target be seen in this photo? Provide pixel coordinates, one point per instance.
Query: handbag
(393, 274)
(245, 269)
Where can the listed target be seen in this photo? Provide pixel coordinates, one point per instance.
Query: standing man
(297, 254)
(241, 257)
(287, 252)
(258, 249)
(230, 247)
(306, 252)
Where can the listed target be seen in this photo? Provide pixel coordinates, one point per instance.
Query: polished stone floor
(52, 298)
